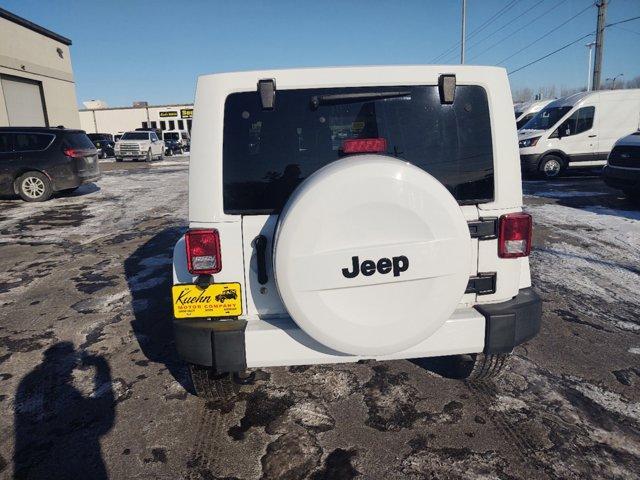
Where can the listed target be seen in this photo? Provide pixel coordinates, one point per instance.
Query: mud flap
(218, 344)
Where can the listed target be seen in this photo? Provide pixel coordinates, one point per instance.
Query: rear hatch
(78, 146)
(268, 153)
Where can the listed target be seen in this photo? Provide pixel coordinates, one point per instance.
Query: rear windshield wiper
(340, 98)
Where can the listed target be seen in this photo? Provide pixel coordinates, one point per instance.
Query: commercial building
(119, 120)
(36, 77)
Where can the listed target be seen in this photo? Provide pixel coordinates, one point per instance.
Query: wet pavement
(91, 387)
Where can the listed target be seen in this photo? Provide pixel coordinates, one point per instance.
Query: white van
(577, 131)
(341, 214)
(527, 110)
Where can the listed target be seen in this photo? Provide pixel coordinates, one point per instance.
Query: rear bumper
(233, 345)
(622, 178)
(511, 323)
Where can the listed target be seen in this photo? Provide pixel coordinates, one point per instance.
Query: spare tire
(371, 255)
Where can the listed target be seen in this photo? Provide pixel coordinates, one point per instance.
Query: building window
(180, 124)
(172, 125)
(189, 125)
(145, 124)
(163, 125)
(154, 125)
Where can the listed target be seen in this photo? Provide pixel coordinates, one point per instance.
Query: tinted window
(268, 153)
(522, 122)
(580, 121)
(163, 125)
(546, 118)
(154, 137)
(180, 124)
(5, 142)
(171, 136)
(32, 141)
(135, 136)
(78, 140)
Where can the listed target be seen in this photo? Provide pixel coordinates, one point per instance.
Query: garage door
(24, 101)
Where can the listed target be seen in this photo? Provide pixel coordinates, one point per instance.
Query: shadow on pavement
(57, 426)
(149, 277)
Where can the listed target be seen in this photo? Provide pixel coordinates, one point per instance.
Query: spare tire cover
(371, 255)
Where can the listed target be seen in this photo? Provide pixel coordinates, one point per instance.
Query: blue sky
(154, 50)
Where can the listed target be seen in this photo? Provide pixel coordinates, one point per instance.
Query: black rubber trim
(511, 323)
(212, 343)
(483, 229)
(482, 284)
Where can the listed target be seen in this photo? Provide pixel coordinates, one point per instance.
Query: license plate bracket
(215, 301)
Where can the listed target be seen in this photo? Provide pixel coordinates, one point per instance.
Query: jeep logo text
(384, 265)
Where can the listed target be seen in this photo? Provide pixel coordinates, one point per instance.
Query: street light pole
(590, 46)
(464, 28)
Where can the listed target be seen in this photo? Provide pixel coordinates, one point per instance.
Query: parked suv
(104, 143)
(623, 166)
(35, 162)
(139, 145)
(179, 140)
(357, 213)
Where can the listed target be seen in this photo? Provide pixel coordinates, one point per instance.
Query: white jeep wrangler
(340, 214)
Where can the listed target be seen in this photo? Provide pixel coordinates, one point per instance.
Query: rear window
(267, 153)
(135, 136)
(25, 142)
(78, 140)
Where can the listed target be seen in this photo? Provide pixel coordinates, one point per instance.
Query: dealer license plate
(217, 300)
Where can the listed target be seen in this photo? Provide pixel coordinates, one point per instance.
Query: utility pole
(589, 73)
(464, 28)
(597, 68)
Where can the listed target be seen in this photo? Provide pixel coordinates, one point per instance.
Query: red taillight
(364, 145)
(514, 238)
(70, 152)
(203, 251)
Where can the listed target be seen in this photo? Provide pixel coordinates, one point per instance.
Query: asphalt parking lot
(91, 387)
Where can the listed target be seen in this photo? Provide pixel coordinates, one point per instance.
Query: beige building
(36, 77)
(122, 119)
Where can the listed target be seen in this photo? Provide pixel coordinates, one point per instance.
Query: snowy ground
(90, 384)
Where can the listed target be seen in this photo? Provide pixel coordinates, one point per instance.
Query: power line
(622, 21)
(626, 29)
(517, 30)
(551, 53)
(509, 22)
(494, 17)
(545, 34)
(572, 43)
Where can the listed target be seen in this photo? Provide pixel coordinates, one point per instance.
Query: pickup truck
(139, 145)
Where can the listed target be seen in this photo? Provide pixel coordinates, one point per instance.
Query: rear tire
(488, 367)
(34, 187)
(213, 387)
(472, 368)
(551, 166)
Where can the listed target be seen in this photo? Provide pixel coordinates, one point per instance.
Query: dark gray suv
(36, 162)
